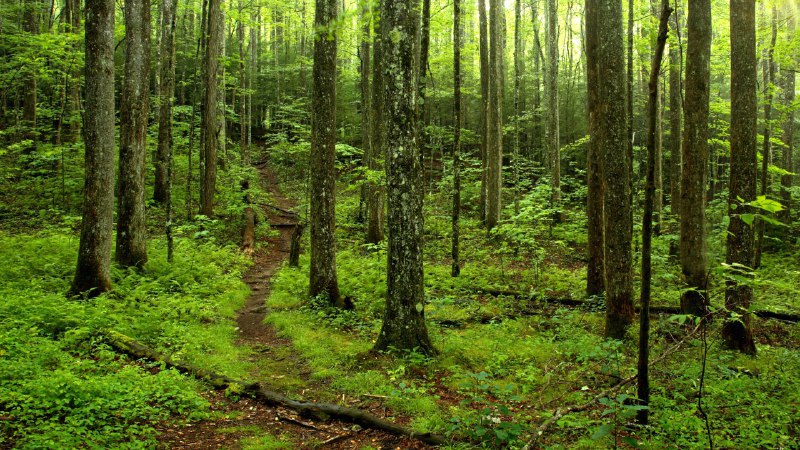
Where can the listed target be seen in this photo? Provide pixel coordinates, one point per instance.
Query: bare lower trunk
(92, 275)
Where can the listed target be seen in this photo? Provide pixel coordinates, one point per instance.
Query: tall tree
(610, 137)
(494, 149)
(484, 75)
(694, 261)
(323, 279)
(134, 111)
(404, 317)
(675, 115)
(30, 25)
(366, 99)
(595, 272)
(458, 123)
(165, 101)
(736, 331)
(212, 126)
(92, 275)
(788, 76)
(651, 192)
(376, 194)
(766, 149)
(551, 87)
(537, 135)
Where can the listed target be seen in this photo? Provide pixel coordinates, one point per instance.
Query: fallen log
(764, 314)
(319, 411)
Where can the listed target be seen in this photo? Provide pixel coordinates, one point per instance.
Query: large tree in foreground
(736, 330)
(694, 261)
(134, 111)
(494, 141)
(211, 123)
(404, 318)
(323, 156)
(92, 275)
(609, 139)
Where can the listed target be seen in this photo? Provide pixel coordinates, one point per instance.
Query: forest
(399, 224)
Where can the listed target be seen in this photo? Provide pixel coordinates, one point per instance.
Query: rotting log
(313, 410)
(763, 314)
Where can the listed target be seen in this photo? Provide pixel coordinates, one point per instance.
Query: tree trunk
(694, 261)
(366, 107)
(595, 283)
(212, 125)
(537, 82)
(458, 123)
(788, 75)
(134, 111)
(675, 116)
(377, 148)
(494, 149)
(484, 75)
(404, 317)
(736, 331)
(92, 275)
(650, 200)
(553, 144)
(611, 139)
(323, 279)
(30, 25)
(166, 100)
(766, 152)
(518, 63)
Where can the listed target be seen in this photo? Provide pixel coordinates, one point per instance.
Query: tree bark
(131, 250)
(694, 261)
(404, 317)
(650, 201)
(736, 331)
(766, 150)
(675, 116)
(611, 136)
(788, 76)
(595, 272)
(31, 26)
(458, 123)
(377, 148)
(484, 75)
(211, 124)
(551, 87)
(166, 100)
(323, 278)
(92, 275)
(494, 149)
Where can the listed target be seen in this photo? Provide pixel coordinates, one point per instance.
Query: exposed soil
(246, 423)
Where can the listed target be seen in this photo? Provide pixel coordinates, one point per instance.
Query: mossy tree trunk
(736, 331)
(404, 317)
(212, 126)
(675, 115)
(551, 87)
(323, 278)
(92, 275)
(694, 260)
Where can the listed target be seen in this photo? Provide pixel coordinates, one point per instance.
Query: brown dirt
(247, 423)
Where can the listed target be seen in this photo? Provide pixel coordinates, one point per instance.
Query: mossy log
(319, 411)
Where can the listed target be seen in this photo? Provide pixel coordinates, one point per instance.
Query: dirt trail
(248, 424)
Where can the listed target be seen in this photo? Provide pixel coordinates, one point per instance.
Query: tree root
(318, 411)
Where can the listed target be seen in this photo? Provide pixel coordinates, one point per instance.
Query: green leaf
(603, 431)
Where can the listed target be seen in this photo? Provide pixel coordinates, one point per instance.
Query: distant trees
(323, 279)
(134, 111)
(694, 261)
(404, 317)
(92, 275)
(736, 330)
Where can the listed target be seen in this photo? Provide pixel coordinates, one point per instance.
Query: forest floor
(244, 423)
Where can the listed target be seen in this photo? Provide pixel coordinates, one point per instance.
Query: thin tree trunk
(553, 142)
(212, 125)
(694, 260)
(675, 116)
(404, 317)
(517, 104)
(166, 100)
(377, 148)
(484, 75)
(366, 104)
(458, 122)
(736, 331)
(92, 275)
(131, 247)
(595, 272)
(651, 191)
(494, 150)
(323, 279)
(766, 152)
(788, 76)
(537, 83)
